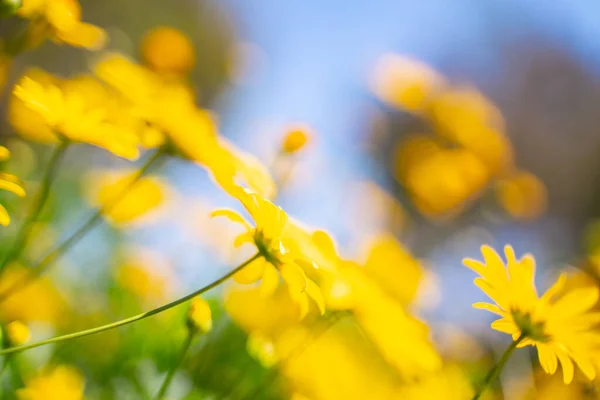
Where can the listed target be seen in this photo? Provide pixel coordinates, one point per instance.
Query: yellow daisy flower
(59, 383)
(61, 21)
(10, 183)
(71, 113)
(169, 108)
(278, 254)
(560, 327)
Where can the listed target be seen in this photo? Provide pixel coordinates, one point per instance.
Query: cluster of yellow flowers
(335, 327)
(447, 169)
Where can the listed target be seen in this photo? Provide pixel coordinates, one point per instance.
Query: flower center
(530, 329)
(271, 249)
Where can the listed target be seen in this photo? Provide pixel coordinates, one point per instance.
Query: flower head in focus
(277, 255)
(76, 113)
(560, 325)
(58, 383)
(60, 20)
(10, 183)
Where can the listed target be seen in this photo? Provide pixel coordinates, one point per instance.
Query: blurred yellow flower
(17, 333)
(169, 108)
(199, 316)
(448, 384)
(466, 117)
(522, 195)
(37, 302)
(262, 349)
(137, 276)
(405, 83)
(295, 139)
(135, 201)
(61, 21)
(168, 50)
(412, 150)
(443, 183)
(10, 183)
(394, 268)
(277, 255)
(562, 329)
(70, 112)
(58, 383)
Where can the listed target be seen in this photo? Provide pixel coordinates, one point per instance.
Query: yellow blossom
(72, 114)
(394, 268)
(61, 21)
(37, 302)
(135, 201)
(169, 108)
(412, 150)
(262, 349)
(443, 183)
(405, 83)
(560, 325)
(522, 195)
(17, 333)
(168, 50)
(10, 183)
(277, 254)
(145, 274)
(199, 316)
(58, 383)
(295, 139)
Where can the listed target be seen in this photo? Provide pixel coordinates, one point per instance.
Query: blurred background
(376, 164)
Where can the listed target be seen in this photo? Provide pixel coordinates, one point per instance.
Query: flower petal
(314, 292)
(231, 215)
(270, 280)
(4, 217)
(252, 272)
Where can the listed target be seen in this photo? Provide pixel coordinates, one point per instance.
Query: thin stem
(39, 268)
(23, 236)
(184, 349)
(130, 320)
(495, 371)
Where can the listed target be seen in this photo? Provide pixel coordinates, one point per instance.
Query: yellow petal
(4, 153)
(490, 307)
(314, 292)
(567, 366)
(547, 358)
(505, 326)
(231, 215)
(84, 35)
(251, 273)
(242, 239)
(12, 184)
(270, 280)
(4, 217)
(296, 280)
(555, 289)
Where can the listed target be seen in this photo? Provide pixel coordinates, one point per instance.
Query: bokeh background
(264, 65)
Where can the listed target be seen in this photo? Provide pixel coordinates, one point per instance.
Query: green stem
(39, 268)
(129, 320)
(495, 371)
(171, 373)
(23, 236)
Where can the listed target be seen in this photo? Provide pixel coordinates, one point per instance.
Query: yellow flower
(295, 139)
(522, 195)
(138, 201)
(71, 113)
(562, 329)
(37, 302)
(10, 183)
(466, 117)
(278, 255)
(145, 274)
(394, 269)
(446, 181)
(59, 383)
(169, 108)
(61, 20)
(199, 317)
(412, 150)
(168, 50)
(17, 333)
(405, 83)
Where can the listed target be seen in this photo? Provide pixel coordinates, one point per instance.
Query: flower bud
(17, 333)
(295, 140)
(199, 319)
